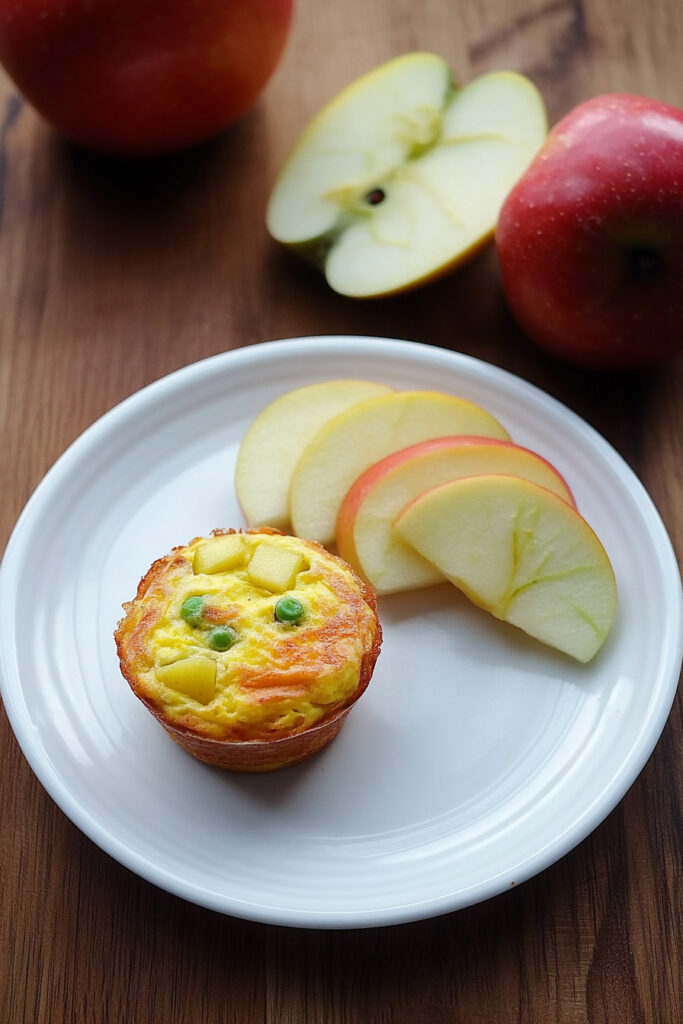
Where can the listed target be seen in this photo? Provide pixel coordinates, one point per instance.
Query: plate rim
(183, 378)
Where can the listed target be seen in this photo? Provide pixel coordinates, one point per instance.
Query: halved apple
(351, 442)
(402, 176)
(365, 534)
(520, 552)
(272, 445)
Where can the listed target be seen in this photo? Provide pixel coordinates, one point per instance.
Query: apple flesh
(520, 552)
(195, 676)
(275, 568)
(351, 442)
(140, 78)
(276, 439)
(365, 534)
(402, 176)
(220, 554)
(590, 239)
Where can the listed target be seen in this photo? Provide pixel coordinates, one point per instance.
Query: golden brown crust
(259, 755)
(248, 748)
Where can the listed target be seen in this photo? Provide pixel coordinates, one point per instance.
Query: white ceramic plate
(476, 757)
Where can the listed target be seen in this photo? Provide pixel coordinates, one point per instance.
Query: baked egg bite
(250, 647)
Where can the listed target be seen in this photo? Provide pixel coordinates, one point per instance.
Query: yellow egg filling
(273, 676)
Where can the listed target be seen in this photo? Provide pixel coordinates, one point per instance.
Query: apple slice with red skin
(365, 534)
(520, 552)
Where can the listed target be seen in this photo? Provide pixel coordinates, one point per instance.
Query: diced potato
(220, 554)
(275, 568)
(194, 676)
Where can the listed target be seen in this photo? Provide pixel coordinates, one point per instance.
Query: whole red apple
(590, 239)
(139, 77)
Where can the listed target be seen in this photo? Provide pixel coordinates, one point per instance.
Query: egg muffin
(250, 647)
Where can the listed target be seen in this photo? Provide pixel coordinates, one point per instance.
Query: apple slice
(351, 442)
(365, 534)
(401, 177)
(522, 553)
(272, 445)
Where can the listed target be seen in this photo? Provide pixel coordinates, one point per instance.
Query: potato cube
(275, 568)
(194, 676)
(220, 554)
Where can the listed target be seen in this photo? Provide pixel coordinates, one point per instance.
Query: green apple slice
(351, 442)
(402, 176)
(520, 552)
(274, 442)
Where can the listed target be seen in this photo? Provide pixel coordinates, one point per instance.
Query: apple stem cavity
(644, 262)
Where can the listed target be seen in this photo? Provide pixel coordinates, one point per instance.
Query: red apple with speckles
(140, 77)
(590, 240)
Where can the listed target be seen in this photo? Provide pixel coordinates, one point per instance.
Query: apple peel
(590, 239)
(365, 534)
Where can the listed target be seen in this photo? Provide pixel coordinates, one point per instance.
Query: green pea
(288, 609)
(222, 638)
(192, 610)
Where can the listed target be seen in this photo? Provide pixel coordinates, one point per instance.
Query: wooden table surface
(112, 275)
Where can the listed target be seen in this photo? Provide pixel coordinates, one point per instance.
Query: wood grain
(112, 275)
